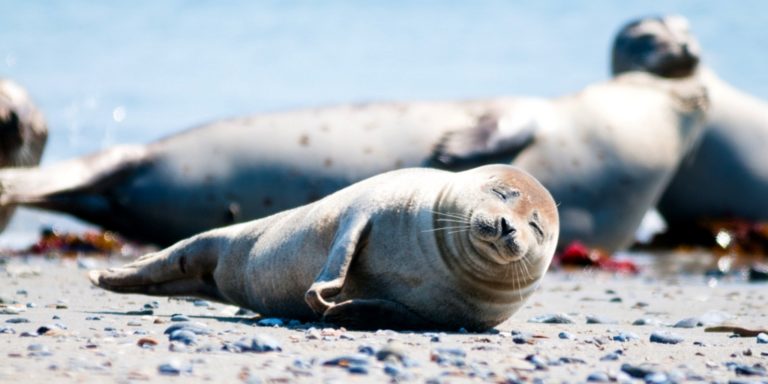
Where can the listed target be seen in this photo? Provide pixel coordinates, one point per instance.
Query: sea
(106, 73)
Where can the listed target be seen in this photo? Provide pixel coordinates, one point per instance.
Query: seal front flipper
(376, 314)
(185, 269)
(494, 138)
(350, 238)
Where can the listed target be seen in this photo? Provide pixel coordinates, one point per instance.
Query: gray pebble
(358, 363)
(9, 311)
(366, 349)
(259, 343)
(197, 329)
(552, 319)
(747, 370)
(600, 320)
(647, 321)
(183, 336)
(625, 336)
(154, 304)
(762, 338)
(31, 305)
(141, 312)
(598, 377)
(17, 320)
(565, 335)
(613, 356)
(665, 338)
(537, 362)
(201, 303)
(38, 350)
(616, 300)
(174, 368)
(177, 317)
(22, 292)
(270, 322)
(93, 318)
(134, 324)
(656, 378)
(637, 371)
(7, 330)
(690, 322)
(449, 356)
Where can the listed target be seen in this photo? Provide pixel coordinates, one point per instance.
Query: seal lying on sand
(23, 133)
(605, 153)
(413, 248)
(727, 175)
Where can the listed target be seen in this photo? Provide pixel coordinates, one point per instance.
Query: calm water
(135, 71)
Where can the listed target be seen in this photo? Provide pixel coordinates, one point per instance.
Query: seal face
(663, 46)
(415, 248)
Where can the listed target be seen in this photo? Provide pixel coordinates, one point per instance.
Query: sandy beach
(56, 327)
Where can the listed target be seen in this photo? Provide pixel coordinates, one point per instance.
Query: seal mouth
(677, 67)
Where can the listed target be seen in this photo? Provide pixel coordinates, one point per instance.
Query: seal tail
(184, 269)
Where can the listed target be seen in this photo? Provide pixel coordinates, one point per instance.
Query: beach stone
(7, 330)
(38, 350)
(270, 322)
(10, 311)
(598, 377)
(201, 303)
(552, 319)
(145, 342)
(356, 363)
(154, 304)
(183, 336)
(691, 322)
(762, 338)
(177, 317)
(196, 328)
(449, 356)
(17, 320)
(366, 350)
(656, 378)
(625, 336)
(93, 318)
(647, 321)
(259, 343)
(613, 356)
(600, 320)
(537, 362)
(665, 338)
(141, 312)
(637, 371)
(565, 336)
(758, 272)
(174, 368)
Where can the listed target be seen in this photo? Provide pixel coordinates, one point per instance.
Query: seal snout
(507, 229)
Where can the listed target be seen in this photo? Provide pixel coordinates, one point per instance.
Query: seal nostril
(506, 227)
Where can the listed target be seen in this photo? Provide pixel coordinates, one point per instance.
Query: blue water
(107, 73)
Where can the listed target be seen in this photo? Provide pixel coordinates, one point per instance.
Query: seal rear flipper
(376, 314)
(184, 269)
(494, 138)
(58, 186)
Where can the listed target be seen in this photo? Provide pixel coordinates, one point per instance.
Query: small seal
(408, 249)
(726, 175)
(23, 133)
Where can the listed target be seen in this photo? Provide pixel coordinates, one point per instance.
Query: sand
(93, 338)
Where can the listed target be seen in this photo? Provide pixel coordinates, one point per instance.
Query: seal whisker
(451, 215)
(449, 228)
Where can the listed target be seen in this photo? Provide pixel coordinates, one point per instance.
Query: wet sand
(91, 336)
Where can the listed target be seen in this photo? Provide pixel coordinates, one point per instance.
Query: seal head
(660, 45)
(501, 230)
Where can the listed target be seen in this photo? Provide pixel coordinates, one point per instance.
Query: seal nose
(507, 228)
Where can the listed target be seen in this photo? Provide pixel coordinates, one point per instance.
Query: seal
(605, 153)
(726, 175)
(409, 249)
(23, 133)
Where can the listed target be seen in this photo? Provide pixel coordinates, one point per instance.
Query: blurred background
(117, 72)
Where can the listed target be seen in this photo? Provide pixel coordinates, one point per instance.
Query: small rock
(258, 343)
(625, 336)
(647, 321)
(762, 338)
(449, 356)
(10, 311)
(357, 364)
(38, 350)
(600, 320)
(665, 338)
(177, 317)
(196, 328)
(613, 356)
(134, 324)
(537, 362)
(245, 312)
(552, 319)
(141, 312)
(366, 350)
(174, 368)
(145, 342)
(7, 330)
(598, 377)
(690, 322)
(636, 371)
(154, 304)
(93, 318)
(201, 303)
(656, 378)
(270, 322)
(616, 300)
(17, 320)
(565, 335)
(758, 272)
(183, 336)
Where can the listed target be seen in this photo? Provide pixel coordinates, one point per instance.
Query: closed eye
(505, 194)
(537, 231)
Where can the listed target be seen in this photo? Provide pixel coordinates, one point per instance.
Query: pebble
(174, 368)
(656, 378)
(613, 356)
(196, 328)
(598, 377)
(691, 322)
(537, 362)
(449, 356)
(141, 312)
(552, 319)
(357, 363)
(183, 336)
(10, 311)
(747, 370)
(762, 338)
(625, 336)
(201, 303)
(366, 349)
(647, 321)
(433, 337)
(258, 343)
(134, 323)
(154, 304)
(17, 320)
(177, 317)
(565, 335)
(145, 342)
(758, 272)
(600, 320)
(93, 318)
(7, 330)
(665, 338)
(38, 350)
(271, 322)
(636, 371)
